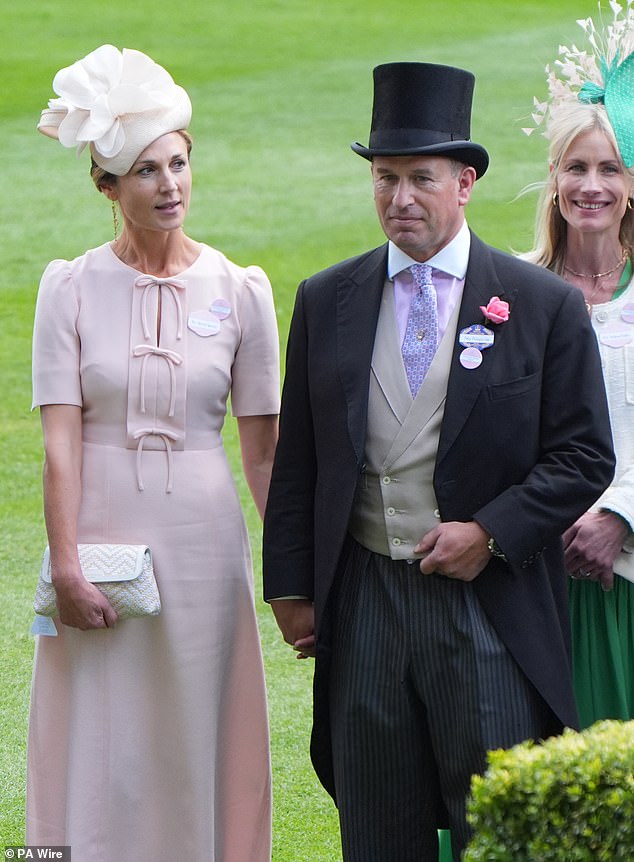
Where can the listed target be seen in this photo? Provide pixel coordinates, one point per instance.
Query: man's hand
(591, 546)
(455, 549)
(296, 620)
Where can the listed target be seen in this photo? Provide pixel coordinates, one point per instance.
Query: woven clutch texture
(123, 573)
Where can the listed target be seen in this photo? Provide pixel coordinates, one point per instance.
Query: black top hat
(423, 109)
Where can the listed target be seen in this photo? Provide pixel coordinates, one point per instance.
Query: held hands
(591, 546)
(455, 549)
(296, 620)
(83, 606)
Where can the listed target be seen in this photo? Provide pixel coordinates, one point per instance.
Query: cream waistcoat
(395, 504)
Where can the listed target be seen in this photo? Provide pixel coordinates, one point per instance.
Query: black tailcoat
(525, 449)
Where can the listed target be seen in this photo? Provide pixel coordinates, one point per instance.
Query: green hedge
(569, 799)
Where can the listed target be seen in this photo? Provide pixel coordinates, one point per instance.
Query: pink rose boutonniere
(496, 310)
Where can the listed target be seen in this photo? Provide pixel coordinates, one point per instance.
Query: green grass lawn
(279, 89)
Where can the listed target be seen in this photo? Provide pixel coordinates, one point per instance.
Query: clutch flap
(101, 563)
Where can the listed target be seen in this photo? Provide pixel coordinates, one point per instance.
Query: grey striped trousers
(421, 687)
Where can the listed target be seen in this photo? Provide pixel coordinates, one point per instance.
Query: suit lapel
(358, 302)
(359, 296)
(390, 375)
(481, 283)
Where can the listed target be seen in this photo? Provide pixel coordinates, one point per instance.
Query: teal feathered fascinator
(601, 74)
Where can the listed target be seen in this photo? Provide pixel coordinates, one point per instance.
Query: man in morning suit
(441, 426)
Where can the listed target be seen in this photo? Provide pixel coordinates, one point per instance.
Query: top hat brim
(463, 151)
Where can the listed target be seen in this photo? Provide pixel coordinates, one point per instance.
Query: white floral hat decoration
(118, 102)
(603, 74)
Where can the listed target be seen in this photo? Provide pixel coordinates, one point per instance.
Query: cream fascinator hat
(603, 74)
(119, 102)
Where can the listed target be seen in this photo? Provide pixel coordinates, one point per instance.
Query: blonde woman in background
(585, 233)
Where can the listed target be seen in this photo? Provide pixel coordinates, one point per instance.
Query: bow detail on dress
(146, 283)
(168, 437)
(165, 356)
(171, 357)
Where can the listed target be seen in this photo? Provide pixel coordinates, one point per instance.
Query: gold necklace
(597, 286)
(590, 301)
(599, 274)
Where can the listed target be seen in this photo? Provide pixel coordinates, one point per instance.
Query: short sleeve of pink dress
(150, 740)
(56, 347)
(254, 375)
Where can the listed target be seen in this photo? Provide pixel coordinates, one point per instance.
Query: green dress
(603, 622)
(603, 649)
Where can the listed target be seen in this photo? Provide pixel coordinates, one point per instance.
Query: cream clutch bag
(123, 573)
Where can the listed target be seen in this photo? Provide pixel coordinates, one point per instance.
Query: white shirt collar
(453, 258)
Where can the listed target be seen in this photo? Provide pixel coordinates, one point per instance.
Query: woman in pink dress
(148, 737)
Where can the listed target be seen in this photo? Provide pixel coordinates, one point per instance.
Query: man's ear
(466, 182)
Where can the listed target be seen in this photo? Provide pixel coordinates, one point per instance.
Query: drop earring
(556, 199)
(115, 221)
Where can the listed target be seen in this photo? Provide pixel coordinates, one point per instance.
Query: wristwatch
(495, 550)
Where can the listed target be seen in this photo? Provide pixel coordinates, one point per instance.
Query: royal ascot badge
(203, 323)
(616, 334)
(221, 308)
(471, 358)
(627, 313)
(478, 337)
(206, 321)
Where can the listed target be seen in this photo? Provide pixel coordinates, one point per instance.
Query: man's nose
(402, 194)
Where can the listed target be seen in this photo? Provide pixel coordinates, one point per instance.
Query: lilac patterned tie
(421, 334)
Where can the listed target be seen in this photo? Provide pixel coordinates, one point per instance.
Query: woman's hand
(592, 545)
(82, 605)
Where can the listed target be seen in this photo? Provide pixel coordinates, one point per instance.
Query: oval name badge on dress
(615, 335)
(627, 313)
(470, 358)
(203, 323)
(477, 336)
(221, 308)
